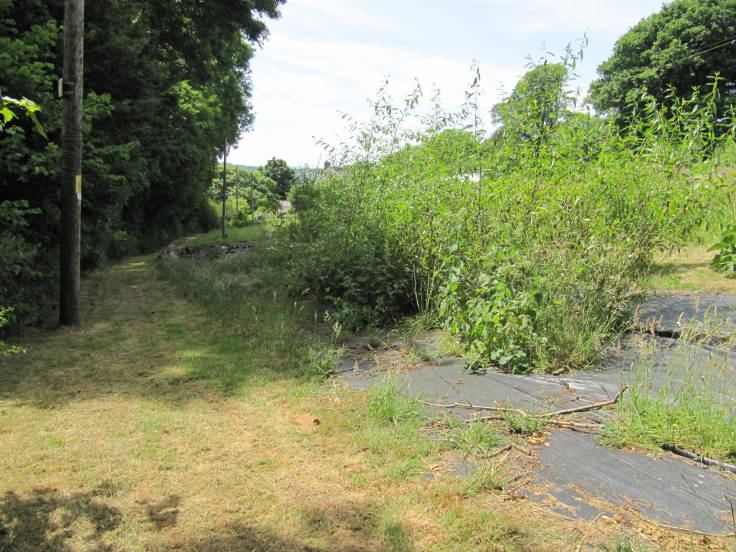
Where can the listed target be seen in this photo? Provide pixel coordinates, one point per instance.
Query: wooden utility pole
(71, 146)
(224, 189)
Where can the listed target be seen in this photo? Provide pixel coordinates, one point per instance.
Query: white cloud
(323, 58)
(301, 85)
(349, 14)
(531, 26)
(578, 15)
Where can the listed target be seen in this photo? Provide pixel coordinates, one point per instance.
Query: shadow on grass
(205, 328)
(348, 527)
(242, 537)
(48, 521)
(165, 513)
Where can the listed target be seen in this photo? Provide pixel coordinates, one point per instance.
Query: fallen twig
(473, 407)
(566, 423)
(560, 423)
(693, 531)
(584, 408)
(594, 406)
(484, 419)
(699, 458)
(500, 451)
(587, 531)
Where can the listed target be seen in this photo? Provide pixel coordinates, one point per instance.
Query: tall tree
(536, 106)
(281, 173)
(679, 47)
(166, 82)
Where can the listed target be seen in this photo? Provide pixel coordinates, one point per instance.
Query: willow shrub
(530, 250)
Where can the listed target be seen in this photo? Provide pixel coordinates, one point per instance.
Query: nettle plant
(526, 239)
(725, 260)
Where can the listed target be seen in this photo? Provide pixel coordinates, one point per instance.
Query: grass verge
(689, 269)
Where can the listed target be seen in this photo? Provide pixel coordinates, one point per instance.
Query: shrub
(725, 260)
(529, 245)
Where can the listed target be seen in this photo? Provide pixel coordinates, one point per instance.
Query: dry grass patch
(689, 269)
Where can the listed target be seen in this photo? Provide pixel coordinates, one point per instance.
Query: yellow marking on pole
(78, 186)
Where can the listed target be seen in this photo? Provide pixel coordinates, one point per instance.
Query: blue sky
(324, 57)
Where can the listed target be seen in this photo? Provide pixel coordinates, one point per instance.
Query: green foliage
(536, 106)
(304, 194)
(529, 245)
(278, 171)
(524, 424)
(387, 404)
(476, 438)
(725, 260)
(6, 349)
(151, 132)
(249, 194)
(21, 278)
(493, 320)
(26, 106)
(624, 544)
(679, 46)
(321, 361)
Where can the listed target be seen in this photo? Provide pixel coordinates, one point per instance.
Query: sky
(328, 57)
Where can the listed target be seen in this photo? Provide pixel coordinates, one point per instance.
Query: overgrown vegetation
(215, 435)
(166, 84)
(529, 242)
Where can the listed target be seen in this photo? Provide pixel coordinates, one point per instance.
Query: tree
(166, 83)
(259, 191)
(536, 106)
(679, 46)
(224, 192)
(281, 173)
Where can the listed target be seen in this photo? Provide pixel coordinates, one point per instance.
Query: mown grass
(233, 234)
(689, 269)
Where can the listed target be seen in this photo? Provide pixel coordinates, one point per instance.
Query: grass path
(689, 270)
(151, 427)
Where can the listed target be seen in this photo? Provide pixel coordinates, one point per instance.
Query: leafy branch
(25, 105)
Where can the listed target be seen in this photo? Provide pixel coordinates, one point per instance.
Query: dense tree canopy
(681, 45)
(166, 83)
(281, 173)
(535, 107)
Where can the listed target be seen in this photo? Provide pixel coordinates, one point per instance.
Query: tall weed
(529, 245)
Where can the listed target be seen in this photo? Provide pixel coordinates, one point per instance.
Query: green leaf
(7, 114)
(38, 125)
